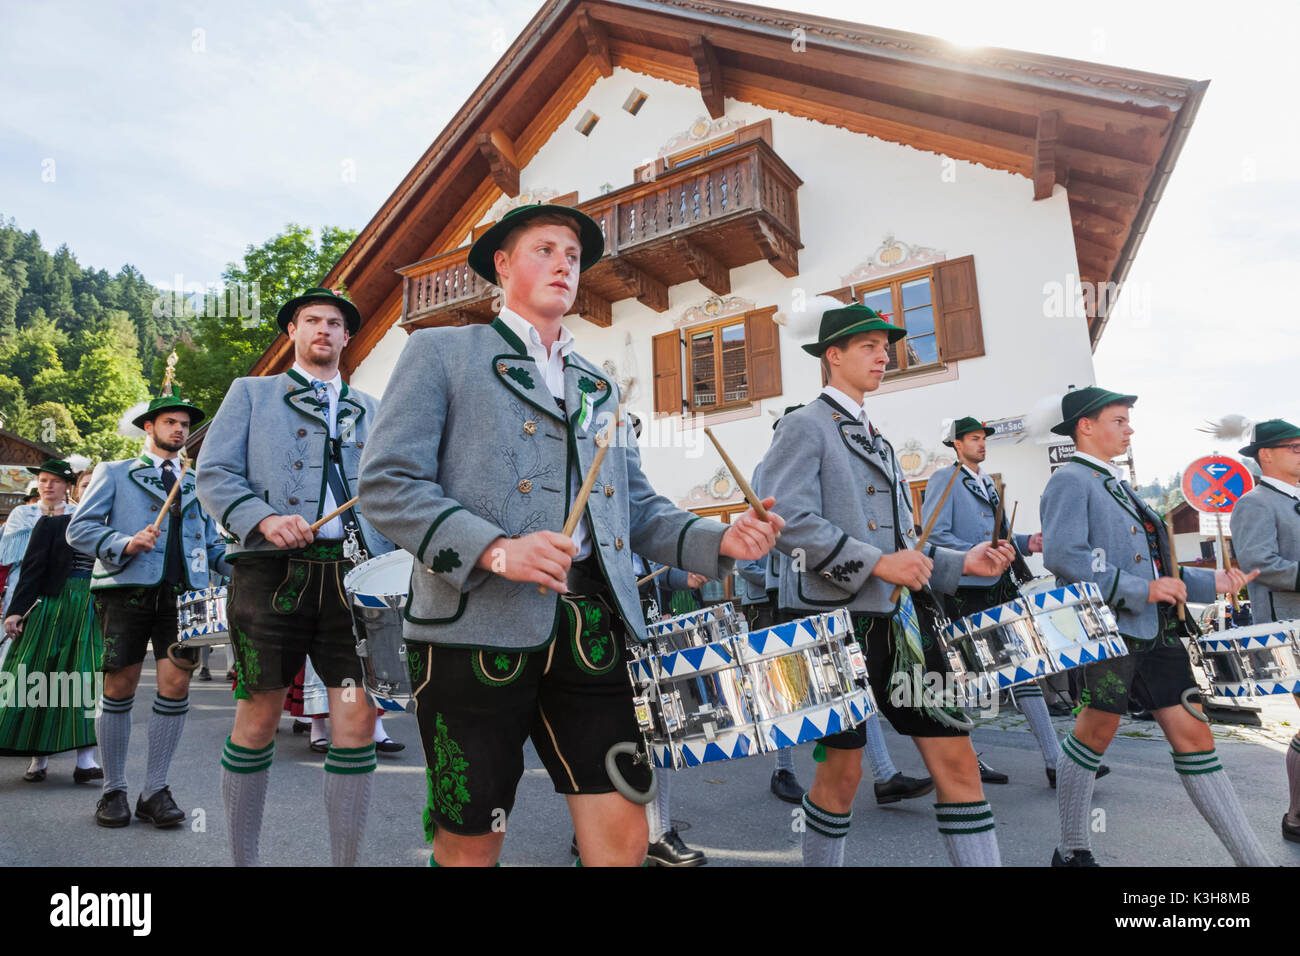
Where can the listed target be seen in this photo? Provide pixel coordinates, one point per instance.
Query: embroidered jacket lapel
(517, 371)
(142, 475)
(584, 392)
(301, 397)
(1295, 503)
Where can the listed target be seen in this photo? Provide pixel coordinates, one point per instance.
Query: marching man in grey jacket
(282, 453)
(849, 538)
(1096, 528)
(485, 436)
(1266, 538)
(139, 571)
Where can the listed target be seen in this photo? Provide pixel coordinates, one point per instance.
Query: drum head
(387, 574)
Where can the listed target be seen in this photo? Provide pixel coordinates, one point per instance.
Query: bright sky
(170, 136)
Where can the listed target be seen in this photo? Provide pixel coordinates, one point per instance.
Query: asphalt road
(723, 808)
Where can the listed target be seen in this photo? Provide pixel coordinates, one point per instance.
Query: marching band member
(139, 571)
(965, 518)
(282, 452)
(1266, 538)
(1096, 528)
(485, 436)
(848, 549)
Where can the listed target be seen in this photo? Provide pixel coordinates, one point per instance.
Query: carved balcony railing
(697, 221)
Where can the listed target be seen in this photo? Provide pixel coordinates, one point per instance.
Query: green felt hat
(1275, 431)
(964, 426)
(1085, 401)
(55, 466)
(164, 402)
(850, 320)
(350, 314)
(482, 253)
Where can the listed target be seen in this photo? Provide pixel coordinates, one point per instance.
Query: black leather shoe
(160, 809)
(1080, 858)
(671, 851)
(301, 727)
(1142, 715)
(205, 674)
(989, 775)
(1058, 709)
(88, 774)
(786, 787)
(902, 787)
(388, 746)
(1290, 831)
(34, 776)
(113, 809)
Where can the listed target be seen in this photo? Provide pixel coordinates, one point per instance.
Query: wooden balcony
(696, 221)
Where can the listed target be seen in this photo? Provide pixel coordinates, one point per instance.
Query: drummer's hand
(749, 537)
(142, 540)
(543, 557)
(908, 568)
(1233, 580)
(1036, 543)
(986, 561)
(694, 580)
(13, 625)
(1167, 591)
(286, 531)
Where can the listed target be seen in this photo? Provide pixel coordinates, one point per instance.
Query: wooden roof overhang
(1110, 136)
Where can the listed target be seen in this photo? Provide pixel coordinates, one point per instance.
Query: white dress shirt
(857, 409)
(334, 387)
(551, 365)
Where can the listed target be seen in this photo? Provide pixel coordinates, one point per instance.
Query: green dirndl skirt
(49, 686)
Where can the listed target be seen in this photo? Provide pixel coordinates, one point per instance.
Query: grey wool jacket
(843, 497)
(1095, 529)
(966, 518)
(124, 497)
(265, 451)
(1266, 537)
(470, 446)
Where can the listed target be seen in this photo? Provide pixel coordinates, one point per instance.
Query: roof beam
(709, 75)
(597, 42)
(594, 308)
(1103, 197)
(1044, 173)
(499, 151)
(649, 291)
(711, 273)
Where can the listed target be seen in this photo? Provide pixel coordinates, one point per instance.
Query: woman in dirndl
(48, 689)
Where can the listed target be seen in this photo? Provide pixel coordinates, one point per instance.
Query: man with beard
(140, 568)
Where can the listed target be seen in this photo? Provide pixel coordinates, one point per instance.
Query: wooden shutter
(762, 343)
(957, 310)
(666, 354)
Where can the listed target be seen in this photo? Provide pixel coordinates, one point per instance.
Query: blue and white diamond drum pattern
(1253, 661)
(696, 628)
(751, 692)
(1035, 635)
(201, 618)
(377, 593)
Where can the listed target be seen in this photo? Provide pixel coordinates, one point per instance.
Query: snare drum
(1044, 632)
(377, 593)
(750, 693)
(695, 628)
(201, 618)
(1253, 661)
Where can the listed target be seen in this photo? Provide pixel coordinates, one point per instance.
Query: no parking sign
(1214, 483)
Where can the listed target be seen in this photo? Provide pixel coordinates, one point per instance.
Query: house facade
(742, 161)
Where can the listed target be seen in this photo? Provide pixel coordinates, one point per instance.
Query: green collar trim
(507, 333)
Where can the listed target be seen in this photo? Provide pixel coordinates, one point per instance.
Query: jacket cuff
(242, 518)
(1131, 592)
(946, 576)
(1022, 544)
(698, 546)
(1200, 585)
(849, 564)
(110, 549)
(452, 545)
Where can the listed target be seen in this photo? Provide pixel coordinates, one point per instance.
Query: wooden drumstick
(925, 532)
(1011, 526)
(652, 576)
(997, 518)
(1169, 531)
(747, 491)
(171, 496)
(334, 514)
